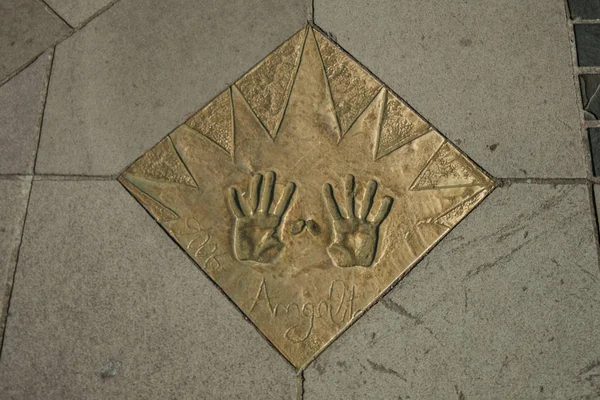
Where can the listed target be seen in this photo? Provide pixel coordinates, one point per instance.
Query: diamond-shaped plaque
(305, 190)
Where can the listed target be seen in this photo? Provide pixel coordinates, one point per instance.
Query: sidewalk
(98, 301)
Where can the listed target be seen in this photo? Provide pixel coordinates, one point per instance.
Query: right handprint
(355, 235)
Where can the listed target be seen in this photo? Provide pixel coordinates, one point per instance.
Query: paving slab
(141, 68)
(13, 205)
(505, 307)
(594, 138)
(584, 9)
(590, 95)
(105, 305)
(496, 77)
(21, 105)
(77, 13)
(597, 199)
(27, 28)
(587, 39)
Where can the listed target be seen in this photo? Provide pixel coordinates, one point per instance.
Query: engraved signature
(337, 308)
(198, 244)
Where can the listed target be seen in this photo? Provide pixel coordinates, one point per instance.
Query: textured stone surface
(505, 307)
(138, 70)
(584, 9)
(21, 105)
(13, 203)
(27, 28)
(77, 12)
(587, 39)
(105, 305)
(494, 76)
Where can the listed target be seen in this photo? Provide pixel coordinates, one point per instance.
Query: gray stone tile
(77, 12)
(597, 201)
(505, 307)
(590, 95)
(21, 104)
(139, 69)
(106, 306)
(584, 9)
(496, 77)
(594, 138)
(27, 28)
(587, 39)
(13, 204)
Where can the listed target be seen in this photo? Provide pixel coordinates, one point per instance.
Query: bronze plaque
(305, 190)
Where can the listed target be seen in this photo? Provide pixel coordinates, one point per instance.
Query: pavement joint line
(49, 7)
(300, 387)
(592, 124)
(20, 69)
(66, 177)
(587, 70)
(542, 181)
(97, 13)
(582, 21)
(84, 178)
(583, 123)
(594, 210)
(7, 291)
(41, 120)
(58, 41)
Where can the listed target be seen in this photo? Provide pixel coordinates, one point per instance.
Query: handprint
(256, 234)
(355, 237)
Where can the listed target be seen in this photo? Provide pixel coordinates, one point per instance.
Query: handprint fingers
(349, 188)
(355, 237)
(384, 209)
(234, 203)
(330, 202)
(256, 231)
(260, 197)
(266, 195)
(367, 202)
(254, 192)
(284, 200)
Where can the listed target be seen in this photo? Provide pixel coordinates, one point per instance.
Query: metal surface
(305, 190)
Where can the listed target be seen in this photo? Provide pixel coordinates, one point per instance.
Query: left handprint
(256, 233)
